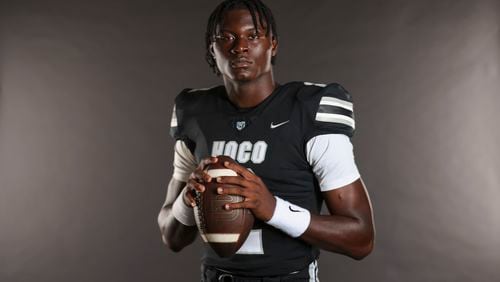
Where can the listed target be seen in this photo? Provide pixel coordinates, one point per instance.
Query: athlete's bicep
(350, 200)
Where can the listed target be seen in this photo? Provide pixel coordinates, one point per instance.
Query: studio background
(87, 89)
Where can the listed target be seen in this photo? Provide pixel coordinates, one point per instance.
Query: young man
(294, 153)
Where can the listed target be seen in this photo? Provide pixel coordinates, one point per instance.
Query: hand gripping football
(224, 230)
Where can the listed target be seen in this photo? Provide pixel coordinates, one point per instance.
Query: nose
(240, 45)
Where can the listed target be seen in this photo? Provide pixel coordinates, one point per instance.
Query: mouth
(240, 63)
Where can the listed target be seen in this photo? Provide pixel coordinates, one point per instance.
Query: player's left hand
(257, 197)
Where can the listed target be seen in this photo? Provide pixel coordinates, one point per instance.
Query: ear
(211, 49)
(274, 45)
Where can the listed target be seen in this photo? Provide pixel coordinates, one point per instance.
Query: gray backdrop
(85, 156)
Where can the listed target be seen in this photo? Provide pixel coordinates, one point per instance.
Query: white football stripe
(220, 237)
(336, 118)
(336, 102)
(221, 172)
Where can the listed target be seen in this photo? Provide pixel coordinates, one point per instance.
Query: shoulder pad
(331, 108)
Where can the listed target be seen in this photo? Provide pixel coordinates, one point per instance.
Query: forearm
(175, 234)
(348, 229)
(181, 231)
(341, 234)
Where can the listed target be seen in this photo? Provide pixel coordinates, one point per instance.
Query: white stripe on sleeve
(331, 101)
(173, 121)
(335, 118)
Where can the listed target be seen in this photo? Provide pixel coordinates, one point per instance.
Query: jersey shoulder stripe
(335, 118)
(173, 121)
(335, 106)
(331, 101)
(314, 84)
(329, 107)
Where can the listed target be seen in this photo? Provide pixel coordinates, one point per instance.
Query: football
(224, 230)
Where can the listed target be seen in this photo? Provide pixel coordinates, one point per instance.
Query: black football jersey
(270, 139)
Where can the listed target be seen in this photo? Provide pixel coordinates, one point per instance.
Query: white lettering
(218, 148)
(259, 152)
(231, 149)
(242, 153)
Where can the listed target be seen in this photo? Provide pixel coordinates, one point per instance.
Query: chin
(242, 76)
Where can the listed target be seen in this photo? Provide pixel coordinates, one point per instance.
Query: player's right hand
(196, 180)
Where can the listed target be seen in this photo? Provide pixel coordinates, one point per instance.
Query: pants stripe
(313, 271)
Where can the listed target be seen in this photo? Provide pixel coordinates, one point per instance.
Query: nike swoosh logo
(290, 207)
(273, 126)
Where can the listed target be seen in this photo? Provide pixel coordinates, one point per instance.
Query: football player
(292, 145)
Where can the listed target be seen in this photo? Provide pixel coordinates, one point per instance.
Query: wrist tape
(290, 218)
(183, 213)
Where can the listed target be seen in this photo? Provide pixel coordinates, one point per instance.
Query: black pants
(212, 274)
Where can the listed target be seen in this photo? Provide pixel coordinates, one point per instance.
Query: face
(241, 52)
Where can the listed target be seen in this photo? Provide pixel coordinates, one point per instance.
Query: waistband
(214, 274)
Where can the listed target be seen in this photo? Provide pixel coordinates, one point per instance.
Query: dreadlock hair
(255, 7)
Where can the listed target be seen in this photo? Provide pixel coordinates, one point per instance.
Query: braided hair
(255, 7)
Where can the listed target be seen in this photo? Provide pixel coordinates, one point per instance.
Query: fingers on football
(240, 205)
(200, 175)
(233, 190)
(235, 180)
(195, 185)
(206, 161)
(241, 170)
(190, 197)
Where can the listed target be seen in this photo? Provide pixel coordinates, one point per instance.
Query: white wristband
(182, 212)
(290, 218)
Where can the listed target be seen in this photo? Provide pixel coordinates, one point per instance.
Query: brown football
(225, 231)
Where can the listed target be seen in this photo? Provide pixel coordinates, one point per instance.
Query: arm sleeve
(332, 160)
(184, 162)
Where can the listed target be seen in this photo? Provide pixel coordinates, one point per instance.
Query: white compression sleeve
(184, 161)
(183, 213)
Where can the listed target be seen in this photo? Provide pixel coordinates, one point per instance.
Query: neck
(247, 94)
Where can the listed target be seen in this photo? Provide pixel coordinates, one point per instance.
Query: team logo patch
(240, 125)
